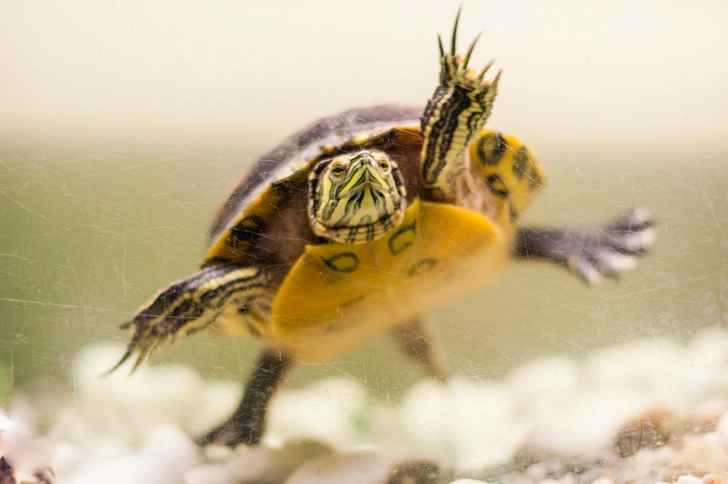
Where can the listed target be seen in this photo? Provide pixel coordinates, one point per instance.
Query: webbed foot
(591, 253)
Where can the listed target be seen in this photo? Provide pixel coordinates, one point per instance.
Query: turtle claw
(592, 254)
(594, 267)
(454, 68)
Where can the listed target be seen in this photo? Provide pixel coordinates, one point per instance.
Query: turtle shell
(272, 179)
(330, 296)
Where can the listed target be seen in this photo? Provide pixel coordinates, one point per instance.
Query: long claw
(470, 51)
(455, 32)
(139, 362)
(123, 360)
(439, 42)
(494, 84)
(482, 72)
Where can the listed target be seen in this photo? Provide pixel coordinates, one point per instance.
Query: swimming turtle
(361, 224)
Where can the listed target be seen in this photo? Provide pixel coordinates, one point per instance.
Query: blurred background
(124, 124)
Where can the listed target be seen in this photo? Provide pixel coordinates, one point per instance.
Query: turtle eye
(384, 166)
(337, 171)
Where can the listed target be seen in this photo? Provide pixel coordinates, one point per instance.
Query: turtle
(362, 223)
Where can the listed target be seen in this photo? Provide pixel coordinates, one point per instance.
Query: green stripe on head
(356, 197)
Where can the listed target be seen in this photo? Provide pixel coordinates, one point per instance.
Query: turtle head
(356, 197)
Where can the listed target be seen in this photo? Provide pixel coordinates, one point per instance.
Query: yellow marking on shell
(511, 168)
(228, 247)
(337, 295)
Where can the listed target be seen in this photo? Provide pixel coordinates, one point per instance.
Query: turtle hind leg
(418, 340)
(591, 253)
(247, 424)
(192, 304)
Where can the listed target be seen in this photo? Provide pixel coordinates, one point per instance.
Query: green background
(92, 237)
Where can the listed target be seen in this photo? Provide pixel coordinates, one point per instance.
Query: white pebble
(209, 474)
(366, 467)
(689, 479)
(131, 468)
(722, 430)
(66, 458)
(468, 481)
(170, 443)
(105, 448)
(603, 480)
(252, 463)
(472, 420)
(325, 411)
(540, 382)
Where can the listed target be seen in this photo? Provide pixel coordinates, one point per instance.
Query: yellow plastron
(338, 295)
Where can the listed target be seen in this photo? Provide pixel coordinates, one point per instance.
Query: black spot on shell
(345, 262)
(421, 267)
(351, 302)
(403, 238)
(248, 229)
(521, 163)
(491, 148)
(497, 186)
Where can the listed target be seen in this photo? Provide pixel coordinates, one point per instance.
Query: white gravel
(646, 411)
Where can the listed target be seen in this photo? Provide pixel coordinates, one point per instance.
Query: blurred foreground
(647, 411)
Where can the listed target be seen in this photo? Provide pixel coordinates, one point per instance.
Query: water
(92, 232)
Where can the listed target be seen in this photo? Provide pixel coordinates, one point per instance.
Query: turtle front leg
(188, 306)
(590, 253)
(453, 117)
(247, 424)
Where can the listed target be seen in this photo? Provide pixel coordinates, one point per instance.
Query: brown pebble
(645, 432)
(416, 472)
(659, 427)
(698, 460)
(363, 467)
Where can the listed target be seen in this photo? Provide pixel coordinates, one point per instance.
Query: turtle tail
(191, 305)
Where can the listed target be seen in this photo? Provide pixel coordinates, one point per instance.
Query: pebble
(689, 479)
(698, 460)
(272, 464)
(209, 474)
(364, 467)
(603, 480)
(542, 385)
(553, 421)
(173, 445)
(124, 470)
(722, 430)
(105, 448)
(326, 411)
(66, 458)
